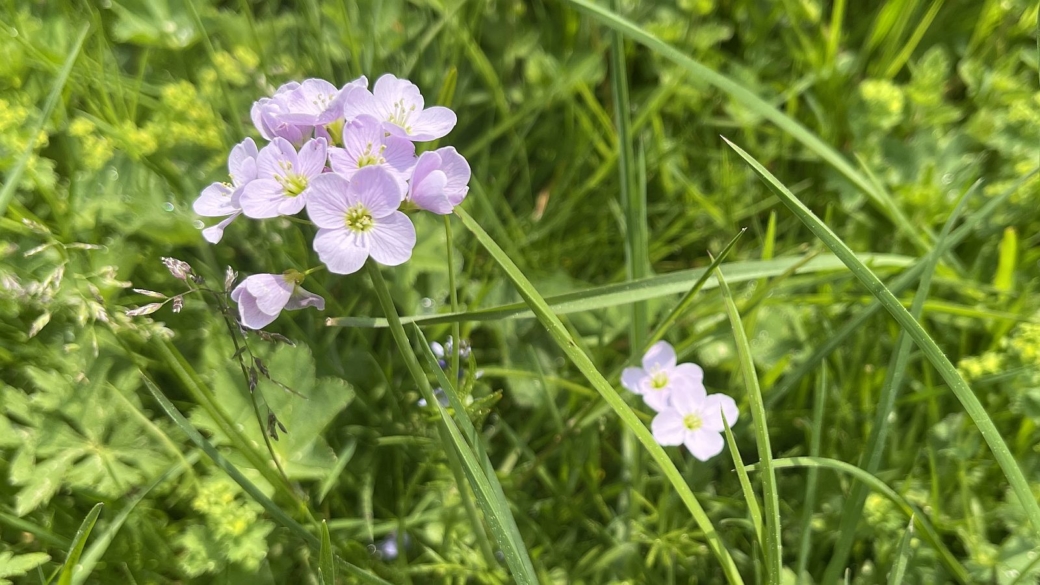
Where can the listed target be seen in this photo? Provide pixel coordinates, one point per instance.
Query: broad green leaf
(17, 566)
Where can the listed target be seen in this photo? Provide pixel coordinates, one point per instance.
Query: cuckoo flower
(439, 181)
(694, 419)
(398, 104)
(283, 178)
(317, 102)
(268, 116)
(660, 378)
(222, 199)
(359, 218)
(261, 297)
(366, 144)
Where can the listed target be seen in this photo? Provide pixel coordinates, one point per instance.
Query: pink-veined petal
(312, 158)
(668, 429)
(327, 202)
(704, 444)
(242, 162)
(399, 154)
(632, 379)
(215, 201)
(275, 158)
(456, 168)
(341, 251)
(393, 238)
(293, 205)
(261, 198)
(714, 407)
(660, 356)
(271, 291)
(376, 189)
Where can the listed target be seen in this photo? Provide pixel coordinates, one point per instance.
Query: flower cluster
(686, 413)
(348, 157)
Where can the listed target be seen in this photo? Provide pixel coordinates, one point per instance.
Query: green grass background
(595, 134)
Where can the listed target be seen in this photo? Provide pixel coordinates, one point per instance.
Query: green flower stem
(559, 334)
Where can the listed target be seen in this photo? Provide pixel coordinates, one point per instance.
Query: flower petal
(301, 298)
(312, 157)
(377, 190)
(660, 356)
(214, 233)
(432, 123)
(659, 400)
(687, 374)
(261, 198)
(327, 200)
(242, 162)
(215, 201)
(632, 379)
(714, 407)
(275, 158)
(429, 193)
(341, 251)
(271, 291)
(393, 238)
(668, 428)
(250, 314)
(704, 444)
(456, 168)
(688, 399)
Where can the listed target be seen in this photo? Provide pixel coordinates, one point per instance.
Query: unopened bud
(178, 268)
(145, 310)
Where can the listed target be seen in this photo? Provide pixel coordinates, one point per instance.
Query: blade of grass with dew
(563, 339)
(931, 350)
(495, 507)
(928, 532)
(895, 375)
(276, 512)
(101, 543)
(745, 484)
(14, 177)
(78, 542)
(880, 198)
(500, 501)
(772, 544)
(326, 567)
(905, 552)
(811, 480)
(898, 285)
(684, 303)
(623, 293)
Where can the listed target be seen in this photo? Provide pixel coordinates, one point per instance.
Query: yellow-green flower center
(401, 114)
(358, 219)
(692, 422)
(369, 158)
(658, 380)
(292, 183)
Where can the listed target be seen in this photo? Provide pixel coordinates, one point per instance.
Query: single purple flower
(316, 102)
(439, 181)
(283, 178)
(261, 297)
(366, 144)
(222, 199)
(399, 105)
(359, 218)
(268, 116)
(660, 378)
(694, 419)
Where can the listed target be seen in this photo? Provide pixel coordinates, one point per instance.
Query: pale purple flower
(694, 419)
(283, 178)
(261, 297)
(268, 116)
(222, 199)
(359, 218)
(316, 102)
(399, 105)
(660, 378)
(439, 181)
(365, 144)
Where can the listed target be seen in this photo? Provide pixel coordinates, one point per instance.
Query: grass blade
(495, 507)
(894, 378)
(898, 285)
(931, 350)
(247, 486)
(928, 532)
(78, 542)
(771, 543)
(15, 175)
(877, 196)
(560, 335)
(905, 552)
(326, 567)
(805, 538)
(613, 295)
(745, 483)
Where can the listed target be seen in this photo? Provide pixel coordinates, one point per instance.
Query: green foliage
(920, 99)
